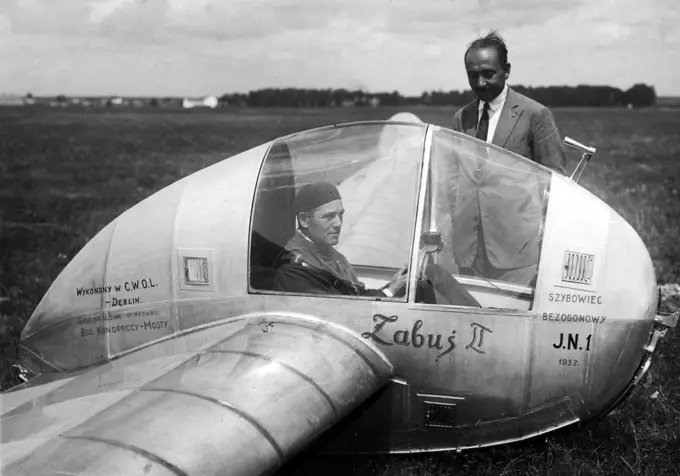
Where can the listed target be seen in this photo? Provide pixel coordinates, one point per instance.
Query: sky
(212, 47)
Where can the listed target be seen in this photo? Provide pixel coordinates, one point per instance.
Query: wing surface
(380, 201)
(239, 398)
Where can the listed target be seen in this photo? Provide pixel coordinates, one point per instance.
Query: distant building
(118, 101)
(11, 100)
(374, 102)
(59, 101)
(210, 101)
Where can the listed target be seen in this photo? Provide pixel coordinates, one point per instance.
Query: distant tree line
(640, 95)
(294, 97)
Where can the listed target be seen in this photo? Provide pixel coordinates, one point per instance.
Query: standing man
(502, 116)
(496, 204)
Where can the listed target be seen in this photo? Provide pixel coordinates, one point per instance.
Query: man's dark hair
(491, 40)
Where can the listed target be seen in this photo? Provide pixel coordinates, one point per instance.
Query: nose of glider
(596, 280)
(629, 272)
(589, 249)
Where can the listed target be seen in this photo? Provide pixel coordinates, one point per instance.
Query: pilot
(309, 263)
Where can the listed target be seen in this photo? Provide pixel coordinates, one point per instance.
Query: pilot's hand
(398, 282)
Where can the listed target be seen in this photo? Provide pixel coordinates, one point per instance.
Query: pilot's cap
(314, 195)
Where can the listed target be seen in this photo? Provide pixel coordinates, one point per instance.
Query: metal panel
(440, 414)
(578, 267)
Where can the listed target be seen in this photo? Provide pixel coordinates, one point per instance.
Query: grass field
(64, 174)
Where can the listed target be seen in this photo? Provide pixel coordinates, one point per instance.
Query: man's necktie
(483, 127)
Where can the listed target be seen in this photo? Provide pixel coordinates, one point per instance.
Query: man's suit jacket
(525, 127)
(502, 194)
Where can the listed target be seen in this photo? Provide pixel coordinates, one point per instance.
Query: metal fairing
(160, 347)
(231, 389)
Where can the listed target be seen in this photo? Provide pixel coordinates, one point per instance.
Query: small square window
(196, 271)
(578, 268)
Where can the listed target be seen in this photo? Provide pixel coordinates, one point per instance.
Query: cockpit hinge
(667, 320)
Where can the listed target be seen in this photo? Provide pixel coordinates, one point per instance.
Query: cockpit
(464, 217)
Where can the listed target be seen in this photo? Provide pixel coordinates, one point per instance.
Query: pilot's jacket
(303, 268)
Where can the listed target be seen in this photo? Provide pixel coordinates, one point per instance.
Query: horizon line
(360, 90)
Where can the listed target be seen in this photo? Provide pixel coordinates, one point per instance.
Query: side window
(335, 211)
(482, 225)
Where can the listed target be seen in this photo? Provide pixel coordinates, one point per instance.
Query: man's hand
(397, 285)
